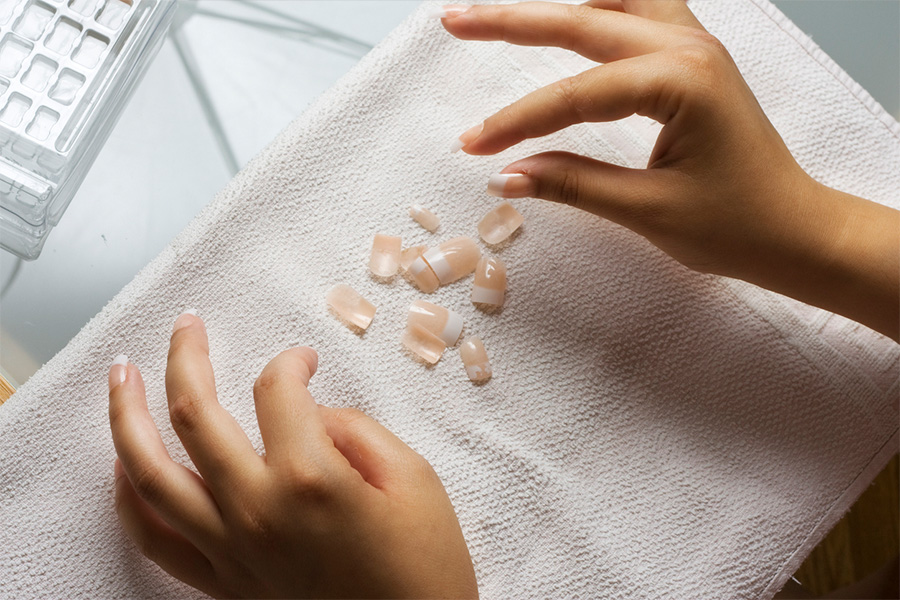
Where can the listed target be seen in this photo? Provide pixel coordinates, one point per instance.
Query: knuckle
(270, 379)
(568, 91)
(185, 411)
(568, 188)
(148, 482)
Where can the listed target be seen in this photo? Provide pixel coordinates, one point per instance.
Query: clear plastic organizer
(67, 68)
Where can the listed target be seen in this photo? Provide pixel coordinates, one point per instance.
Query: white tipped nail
(456, 146)
(444, 12)
(440, 321)
(190, 311)
(424, 217)
(475, 359)
(510, 185)
(121, 360)
(350, 306)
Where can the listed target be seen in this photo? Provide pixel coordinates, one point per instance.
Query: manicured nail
(466, 138)
(184, 319)
(490, 282)
(454, 259)
(118, 372)
(447, 11)
(440, 321)
(423, 343)
(409, 255)
(422, 275)
(510, 185)
(385, 258)
(475, 359)
(500, 223)
(350, 306)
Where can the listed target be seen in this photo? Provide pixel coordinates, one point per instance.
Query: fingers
(215, 442)
(627, 196)
(601, 35)
(159, 542)
(675, 12)
(177, 494)
(370, 448)
(606, 93)
(288, 417)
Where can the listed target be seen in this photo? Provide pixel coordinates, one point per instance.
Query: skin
(337, 507)
(721, 192)
(340, 507)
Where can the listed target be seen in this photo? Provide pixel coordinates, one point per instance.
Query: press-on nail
(448, 11)
(424, 217)
(385, 255)
(423, 276)
(423, 343)
(490, 282)
(467, 137)
(440, 321)
(350, 306)
(118, 371)
(500, 223)
(454, 259)
(510, 185)
(409, 255)
(475, 359)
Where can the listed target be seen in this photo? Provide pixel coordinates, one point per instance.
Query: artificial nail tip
(121, 360)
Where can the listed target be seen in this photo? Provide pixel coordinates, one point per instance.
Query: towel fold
(649, 432)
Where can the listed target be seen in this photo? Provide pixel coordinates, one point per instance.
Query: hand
(337, 507)
(721, 192)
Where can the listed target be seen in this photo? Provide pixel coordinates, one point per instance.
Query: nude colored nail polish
(448, 11)
(424, 217)
(490, 282)
(454, 259)
(500, 223)
(385, 257)
(466, 138)
(184, 319)
(423, 343)
(444, 323)
(118, 371)
(350, 306)
(423, 276)
(475, 359)
(409, 255)
(510, 185)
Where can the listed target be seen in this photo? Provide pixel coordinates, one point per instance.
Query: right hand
(721, 192)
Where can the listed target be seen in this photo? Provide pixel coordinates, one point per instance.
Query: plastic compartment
(67, 68)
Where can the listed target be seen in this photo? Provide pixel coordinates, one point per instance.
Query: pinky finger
(159, 542)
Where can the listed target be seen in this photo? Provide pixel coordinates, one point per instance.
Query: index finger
(215, 442)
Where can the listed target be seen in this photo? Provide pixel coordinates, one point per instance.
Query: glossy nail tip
(490, 282)
(454, 259)
(510, 185)
(500, 223)
(121, 360)
(350, 306)
(118, 371)
(445, 12)
(385, 258)
(475, 359)
(423, 276)
(409, 255)
(439, 321)
(423, 343)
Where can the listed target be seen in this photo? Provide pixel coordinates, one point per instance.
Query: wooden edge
(6, 390)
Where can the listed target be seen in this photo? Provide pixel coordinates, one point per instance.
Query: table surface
(164, 161)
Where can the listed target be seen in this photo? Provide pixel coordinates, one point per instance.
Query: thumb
(627, 196)
(378, 455)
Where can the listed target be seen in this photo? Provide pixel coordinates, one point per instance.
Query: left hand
(337, 507)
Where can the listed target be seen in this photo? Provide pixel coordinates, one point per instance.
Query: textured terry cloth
(649, 432)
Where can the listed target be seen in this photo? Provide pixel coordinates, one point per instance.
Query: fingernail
(466, 138)
(422, 275)
(184, 319)
(385, 257)
(490, 282)
(440, 321)
(452, 260)
(423, 343)
(424, 217)
(409, 255)
(510, 185)
(475, 359)
(118, 372)
(500, 223)
(447, 11)
(350, 306)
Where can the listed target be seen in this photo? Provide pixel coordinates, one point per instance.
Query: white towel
(649, 432)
